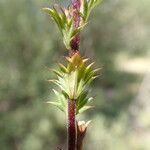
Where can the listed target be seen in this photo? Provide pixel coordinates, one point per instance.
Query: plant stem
(71, 125)
(72, 133)
(76, 41)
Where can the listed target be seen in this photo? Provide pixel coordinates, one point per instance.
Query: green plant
(74, 78)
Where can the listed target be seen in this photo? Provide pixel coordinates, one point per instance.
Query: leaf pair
(64, 19)
(73, 81)
(81, 102)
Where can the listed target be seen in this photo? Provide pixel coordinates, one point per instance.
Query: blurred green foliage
(30, 44)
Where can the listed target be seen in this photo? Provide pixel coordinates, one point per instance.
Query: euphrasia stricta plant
(73, 78)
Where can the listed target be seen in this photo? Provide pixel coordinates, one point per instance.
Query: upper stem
(76, 41)
(76, 6)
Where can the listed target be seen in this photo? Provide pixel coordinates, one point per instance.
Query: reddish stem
(76, 6)
(71, 125)
(76, 41)
(72, 134)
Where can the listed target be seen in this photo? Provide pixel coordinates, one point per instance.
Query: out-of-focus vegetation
(117, 39)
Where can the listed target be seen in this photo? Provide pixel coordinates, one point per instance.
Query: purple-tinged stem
(71, 125)
(76, 41)
(76, 6)
(72, 133)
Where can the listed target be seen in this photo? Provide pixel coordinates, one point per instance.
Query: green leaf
(47, 10)
(62, 68)
(54, 14)
(88, 81)
(97, 70)
(63, 15)
(56, 92)
(57, 104)
(88, 70)
(82, 96)
(67, 34)
(57, 15)
(80, 88)
(89, 76)
(83, 100)
(70, 67)
(86, 7)
(78, 30)
(54, 81)
(81, 71)
(92, 5)
(85, 108)
(82, 103)
(65, 94)
(62, 101)
(57, 73)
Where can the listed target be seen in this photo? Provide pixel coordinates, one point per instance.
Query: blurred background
(116, 38)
